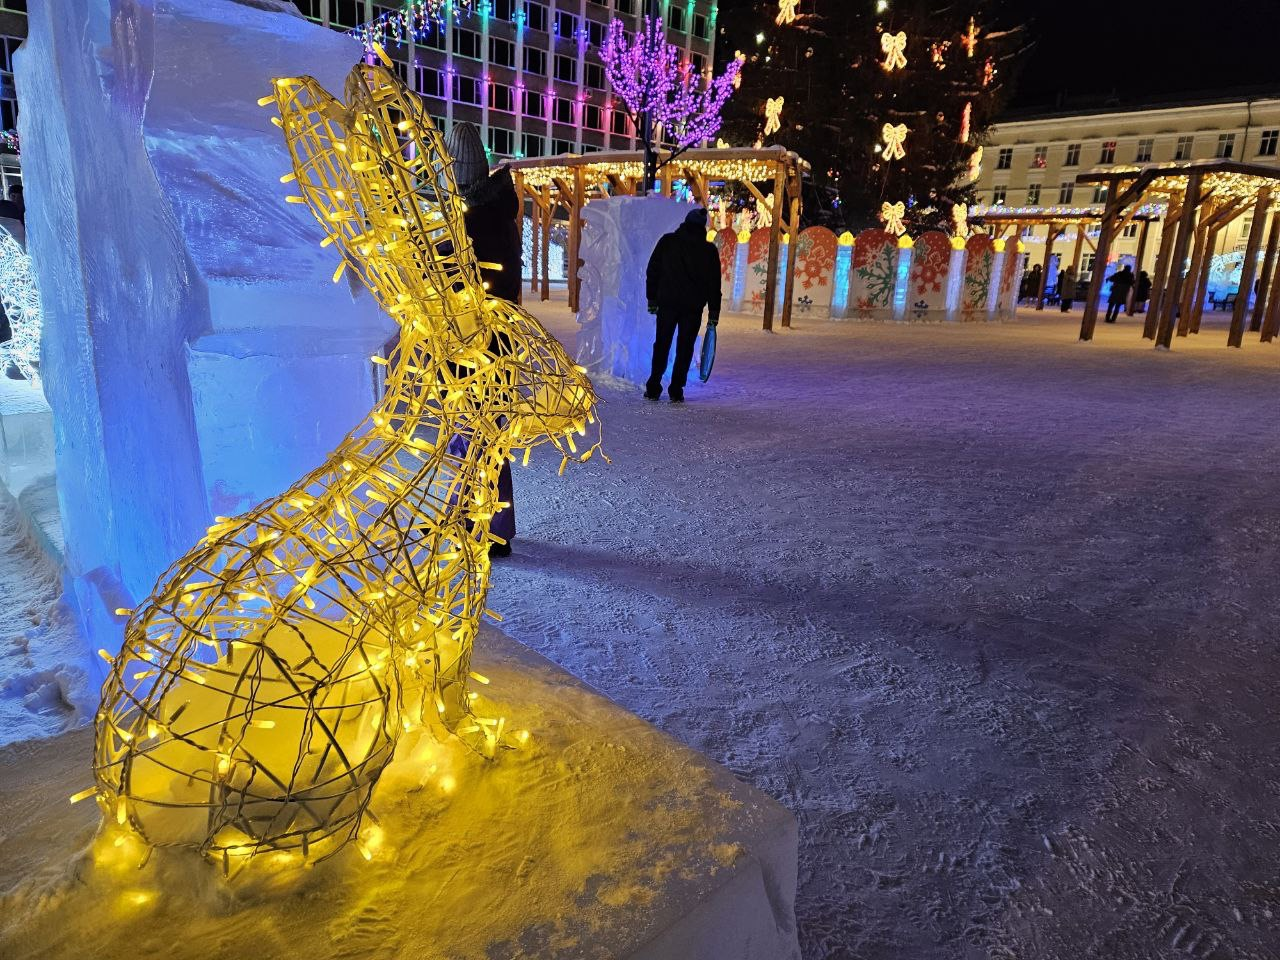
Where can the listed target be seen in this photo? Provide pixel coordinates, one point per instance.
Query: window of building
(1004, 160)
(566, 25)
(1183, 150)
(1226, 146)
(1066, 192)
(535, 16)
(701, 26)
(622, 6)
(531, 145)
(999, 195)
(430, 82)
(1033, 195)
(1086, 265)
(595, 33)
(310, 8)
(1040, 158)
(621, 123)
(503, 9)
(592, 117)
(502, 53)
(590, 148)
(466, 43)
(466, 90)
(1130, 231)
(1146, 146)
(594, 76)
(1073, 155)
(1100, 193)
(566, 69)
(535, 61)
(535, 105)
(698, 62)
(502, 141)
(562, 110)
(346, 13)
(561, 146)
(502, 97)
(1108, 152)
(1270, 140)
(675, 17)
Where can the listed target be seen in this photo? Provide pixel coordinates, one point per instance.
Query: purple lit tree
(665, 98)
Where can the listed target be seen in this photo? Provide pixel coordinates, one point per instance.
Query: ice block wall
(195, 355)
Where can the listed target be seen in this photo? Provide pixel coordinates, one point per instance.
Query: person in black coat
(493, 224)
(682, 279)
(1121, 283)
(1142, 292)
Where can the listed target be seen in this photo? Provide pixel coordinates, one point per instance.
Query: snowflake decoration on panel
(21, 302)
(264, 685)
(894, 46)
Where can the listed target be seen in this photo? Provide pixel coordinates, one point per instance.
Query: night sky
(1085, 51)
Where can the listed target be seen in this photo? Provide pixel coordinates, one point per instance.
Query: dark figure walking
(1066, 287)
(1121, 283)
(493, 224)
(1142, 292)
(683, 277)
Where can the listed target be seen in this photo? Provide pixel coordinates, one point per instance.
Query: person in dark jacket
(493, 225)
(1121, 283)
(683, 278)
(1066, 287)
(1142, 292)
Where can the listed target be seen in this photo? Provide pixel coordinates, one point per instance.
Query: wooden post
(1197, 279)
(547, 216)
(1107, 229)
(1137, 269)
(1044, 270)
(1250, 268)
(1081, 229)
(1160, 275)
(1211, 226)
(577, 194)
(793, 248)
(535, 234)
(1190, 201)
(1271, 321)
(1268, 269)
(775, 232)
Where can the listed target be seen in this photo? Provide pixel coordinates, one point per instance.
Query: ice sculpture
(21, 302)
(195, 354)
(616, 335)
(264, 684)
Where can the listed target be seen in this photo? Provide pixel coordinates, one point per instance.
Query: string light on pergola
(264, 685)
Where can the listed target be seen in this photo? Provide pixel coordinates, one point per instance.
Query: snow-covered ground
(992, 611)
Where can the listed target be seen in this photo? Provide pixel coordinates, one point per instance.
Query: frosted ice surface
(618, 236)
(196, 355)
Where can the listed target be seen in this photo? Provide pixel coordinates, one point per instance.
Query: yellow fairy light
(307, 601)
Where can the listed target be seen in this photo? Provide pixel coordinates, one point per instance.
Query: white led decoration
(21, 302)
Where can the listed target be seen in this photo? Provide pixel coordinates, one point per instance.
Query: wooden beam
(1212, 226)
(775, 232)
(1268, 269)
(1186, 225)
(547, 212)
(1138, 261)
(1160, 275)
(1271, 320)
(1197, 278)
(1236, 337)
(1079, 250)
(1107, 231)
(793, 249)
(1053, 235)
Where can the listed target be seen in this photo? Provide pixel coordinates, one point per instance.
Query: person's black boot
(677, 396)
(499, 550)
(652, 394)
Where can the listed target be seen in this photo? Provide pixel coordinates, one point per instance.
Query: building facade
(1033, 163)
(528, 73)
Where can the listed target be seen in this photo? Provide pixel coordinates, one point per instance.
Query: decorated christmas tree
(887, 99)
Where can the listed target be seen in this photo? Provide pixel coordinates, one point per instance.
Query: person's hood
(470, 160)
(491, 189)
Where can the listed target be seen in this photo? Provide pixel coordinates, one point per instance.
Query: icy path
(994, 612)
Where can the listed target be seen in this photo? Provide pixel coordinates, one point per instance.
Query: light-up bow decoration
(21, 300)
(892, 214)
(786, 12)
(265, 683)
(894, 46)
(960, 219)
(895, 136)
(773, 114)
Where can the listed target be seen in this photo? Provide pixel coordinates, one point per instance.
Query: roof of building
(1116, 105)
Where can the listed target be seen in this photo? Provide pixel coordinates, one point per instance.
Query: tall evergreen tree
(847, 95)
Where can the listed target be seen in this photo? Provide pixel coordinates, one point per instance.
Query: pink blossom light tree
(664, 96)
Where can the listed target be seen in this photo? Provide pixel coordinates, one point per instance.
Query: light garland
(895, 137)
(894, 46)
(21, 300)
(9, 142)
(966, 122)
(413, 22)
(969, 38)
(892, 214)
(773, 114)
(264, 685)
(646, 72)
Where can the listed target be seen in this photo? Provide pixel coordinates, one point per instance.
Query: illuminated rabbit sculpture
(264, 684)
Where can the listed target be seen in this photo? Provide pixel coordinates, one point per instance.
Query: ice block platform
(600, 838)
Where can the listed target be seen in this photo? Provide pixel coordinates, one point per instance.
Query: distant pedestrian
(1142, 292)
(683, 278)
(1066, 287)
(1121, 283)
(1031, 283)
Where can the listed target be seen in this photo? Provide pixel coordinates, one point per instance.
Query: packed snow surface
(994, 612)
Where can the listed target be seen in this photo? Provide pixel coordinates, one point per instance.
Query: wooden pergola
(1058, 220)
(570, 181)
(1198, 200)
